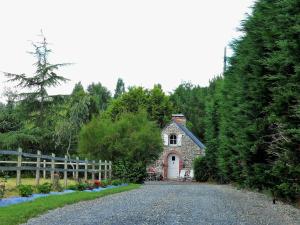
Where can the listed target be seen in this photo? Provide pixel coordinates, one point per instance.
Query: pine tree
(45, 77)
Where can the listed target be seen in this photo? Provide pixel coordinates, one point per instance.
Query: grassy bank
(20, 213)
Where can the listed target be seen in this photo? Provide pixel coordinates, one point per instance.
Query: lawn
(11, 189)
(20, 213)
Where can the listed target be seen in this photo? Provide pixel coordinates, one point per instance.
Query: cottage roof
(191, 135)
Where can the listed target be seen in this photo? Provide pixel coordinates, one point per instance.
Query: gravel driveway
(170, 203)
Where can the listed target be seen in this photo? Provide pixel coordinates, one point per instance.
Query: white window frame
(176, 140)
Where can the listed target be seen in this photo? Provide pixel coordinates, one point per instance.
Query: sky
(142, 42)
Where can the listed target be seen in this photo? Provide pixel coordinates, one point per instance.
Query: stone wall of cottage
(188, 149)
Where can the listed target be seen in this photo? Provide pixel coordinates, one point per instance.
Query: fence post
(77, 168)
(110, 169)
(44, 169)
(65, 171)
(19, 164)
(38, 167)
(93, 170)
(105, 170)
(52, 167)
(86, 169)
(100, 170)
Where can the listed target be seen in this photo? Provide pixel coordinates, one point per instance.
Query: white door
(173, 166)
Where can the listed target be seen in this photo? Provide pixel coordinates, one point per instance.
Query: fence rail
(53, 164)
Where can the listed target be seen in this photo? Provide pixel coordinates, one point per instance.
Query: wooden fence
(53, 164)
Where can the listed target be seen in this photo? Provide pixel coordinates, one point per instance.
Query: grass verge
(20, 213)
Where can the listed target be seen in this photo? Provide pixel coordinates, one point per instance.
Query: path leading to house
(175, 203)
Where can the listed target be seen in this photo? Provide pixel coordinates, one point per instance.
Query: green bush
(82, 186)
(200, 169)
(131, 141)
(288, 191)
(116, 182)
(25, 190)
(73, 187)
(44, 188)
(105, 183)
(133, 172)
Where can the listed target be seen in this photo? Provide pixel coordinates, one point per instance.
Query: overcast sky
(143, 42)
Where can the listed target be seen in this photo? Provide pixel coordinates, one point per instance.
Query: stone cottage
(181, 147)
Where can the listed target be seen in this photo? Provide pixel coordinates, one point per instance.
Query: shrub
(131, 140)
(288, 191)
(104, 183)
(134, 172)
(82, 186)
(73, 187)
(201, 169)
(25, 190)
(89, 186)
(43, 188)
(116, 182)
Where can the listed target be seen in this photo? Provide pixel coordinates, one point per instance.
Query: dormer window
(173, 139)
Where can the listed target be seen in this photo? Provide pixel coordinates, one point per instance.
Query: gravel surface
(173, 203)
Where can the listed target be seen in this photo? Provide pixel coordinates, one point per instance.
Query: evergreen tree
(120, 88)
(44, 77)
(190, 100)
(100, 97)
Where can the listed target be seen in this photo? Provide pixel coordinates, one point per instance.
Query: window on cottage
(173, 139)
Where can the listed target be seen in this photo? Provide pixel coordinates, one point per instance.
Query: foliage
(44, 77)
(20, 213)
(105, 183)
(44, 188)
(81, 186)
(72, 187)
(132, 139)
(100, 97)
(120, 88)
(134, 172)
(154, 102)
(75, 113)
(25, 190)
(200, 166)
(190, 100)
(288, 191)
(27, 120)
(116, 182)
(251, 115)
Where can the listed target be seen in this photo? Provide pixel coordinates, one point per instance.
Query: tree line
(250, 116)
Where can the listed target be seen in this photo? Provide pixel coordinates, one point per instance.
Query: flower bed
(17, 200)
